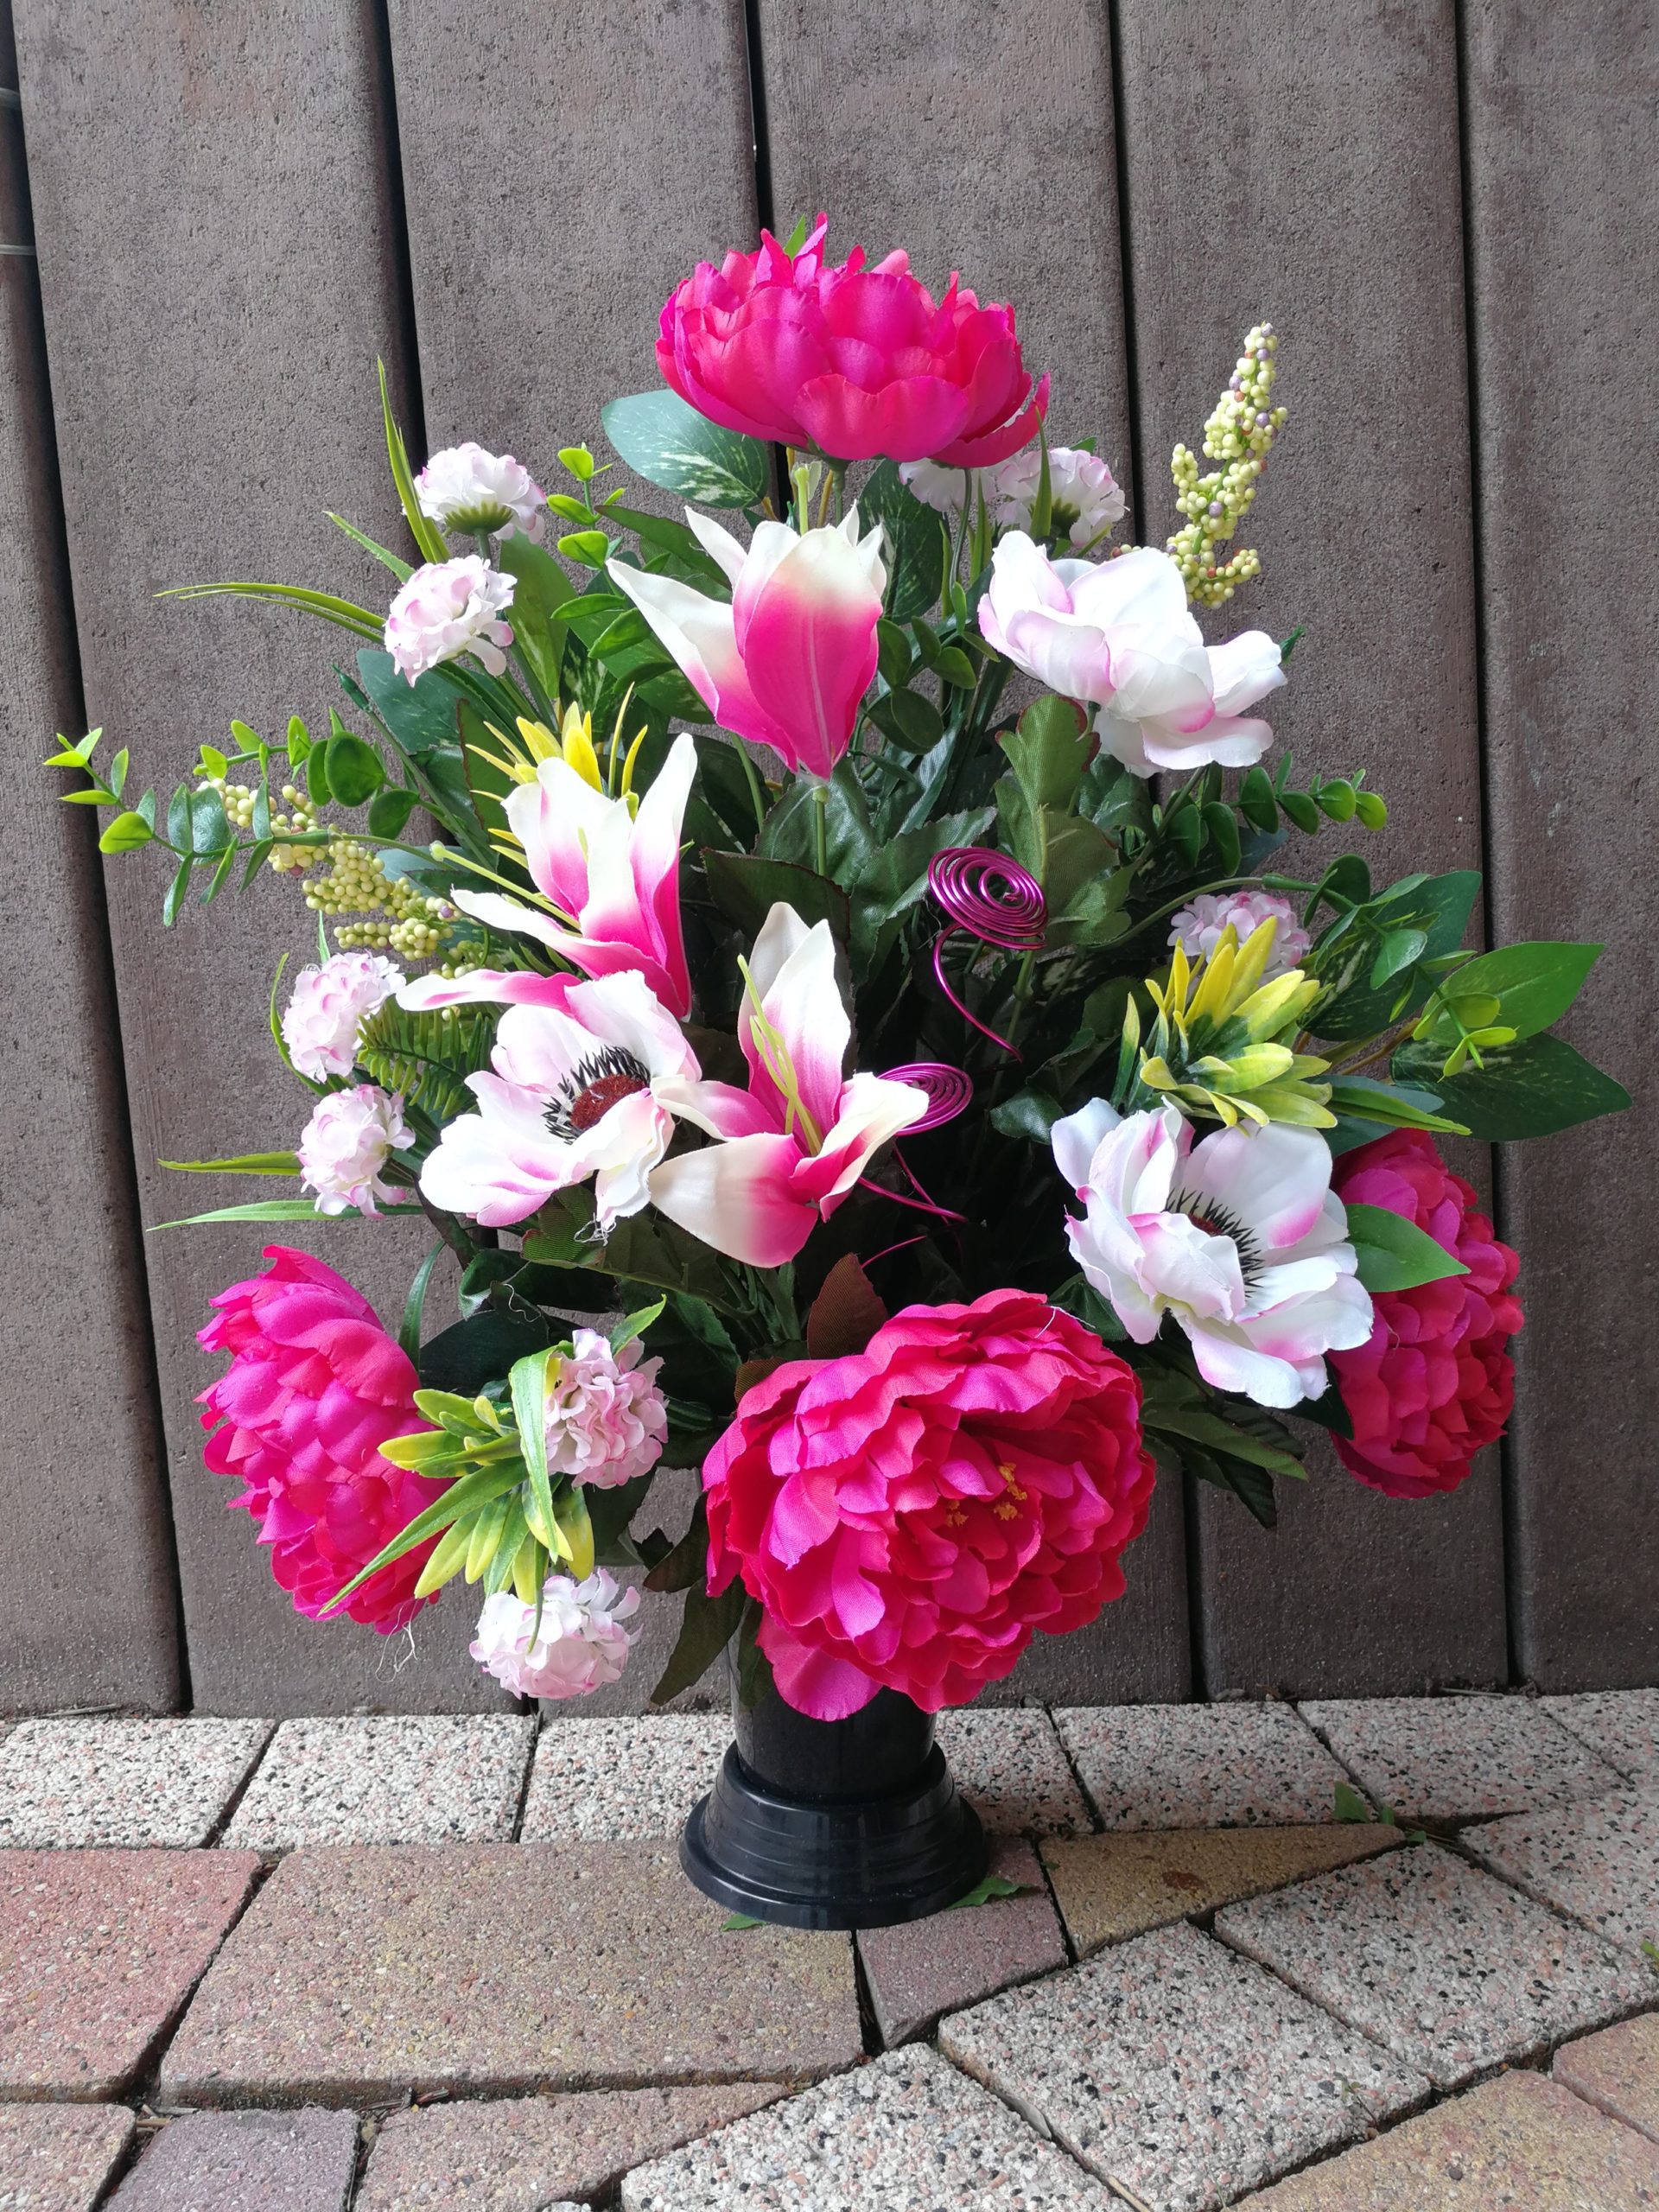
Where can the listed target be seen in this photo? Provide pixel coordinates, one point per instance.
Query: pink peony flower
(858, 362)
(1432, 1384)
(607, 1421)
(581, 1646)
(447, 608)
(328, 1005)
(1119, 633)
(345, 1143)
(465, 488)
(315, 1386)
(1198, 929)
(787, 660)
(910, 1516)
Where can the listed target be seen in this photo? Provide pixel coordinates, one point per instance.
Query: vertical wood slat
(1563, 103)
(981, 139)
(1289, 161)
(87, 1579)
(211, 204)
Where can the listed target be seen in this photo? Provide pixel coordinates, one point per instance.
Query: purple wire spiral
(950, 1091)
(992, 898)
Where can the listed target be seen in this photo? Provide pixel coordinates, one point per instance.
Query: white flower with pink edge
(606, 1420)
(447, 608)
(327, 1007)
(1199, 928)
(464, 488)
(346, 1144)
(1238, 1235)
(580, 1646)
(1087, 498)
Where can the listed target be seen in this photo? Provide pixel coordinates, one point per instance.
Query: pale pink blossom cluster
(464, 488)
(606, 1420)
(579, 1645)
(1199, 928)
(344, 1146)
(328, 1006)
(447, 608)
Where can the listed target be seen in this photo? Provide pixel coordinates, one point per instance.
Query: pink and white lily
(615, 879)
(788, 661)
(792, 1145)
(1119, 633)
(1239, 1236)
(576, 1094)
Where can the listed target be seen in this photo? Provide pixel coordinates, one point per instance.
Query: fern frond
(428, 1056)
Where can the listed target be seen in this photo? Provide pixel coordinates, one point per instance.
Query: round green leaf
(354, 769)
(390, 810)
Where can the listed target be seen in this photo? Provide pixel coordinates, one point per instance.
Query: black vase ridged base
(833, 1823)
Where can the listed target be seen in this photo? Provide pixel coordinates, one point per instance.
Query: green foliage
(427, 1056)
(1394, 1254)
(671, 444)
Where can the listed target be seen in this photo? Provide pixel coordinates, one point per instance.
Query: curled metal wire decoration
(985, 894)
(950, 1091)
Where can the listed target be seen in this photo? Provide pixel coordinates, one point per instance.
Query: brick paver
(1599, 1861)
(361, 1973)
(1176, 2068)
(98, 1950)
(1007, 1760)
(905, 2134)
(76, 1784)
(1622, 1726)
(1519, 2144)
(1195, 1766)
(1448, 1968)
(1617, 2070)
(631, 1777)
(1459, 1758)
(417, 1778)
(58, 2157)
(514, 2154)
(929, 1967)
(1110, 1887)
(246, 2162)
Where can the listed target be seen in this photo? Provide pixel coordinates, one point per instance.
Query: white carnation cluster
(464, 488)
(447, 608)
(328, 1008)
(606, 1420)
(579, 1645)
(1197, 928)
(344, 1146)
(1087, 498)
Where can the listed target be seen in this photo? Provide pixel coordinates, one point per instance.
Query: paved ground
(1400, 1954)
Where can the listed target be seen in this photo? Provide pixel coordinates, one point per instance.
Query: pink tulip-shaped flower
(315, 1387)
(795, 1141)
(1120, 632)
(787, 663)
(615, 879)
(858, 362)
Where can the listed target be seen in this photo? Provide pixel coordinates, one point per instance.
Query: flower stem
(757, 797)
(821, 826)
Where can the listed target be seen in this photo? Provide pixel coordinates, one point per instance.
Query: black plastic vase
(833, 1823)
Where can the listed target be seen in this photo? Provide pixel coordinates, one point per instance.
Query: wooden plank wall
(240, 204)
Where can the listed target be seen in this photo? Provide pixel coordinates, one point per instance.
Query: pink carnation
(579, 1645)
(328, 1007)
(855, 361)
(607, 1421)
(315, 1387)
(1198, 929)
(1432, 1384)
(909, 1516)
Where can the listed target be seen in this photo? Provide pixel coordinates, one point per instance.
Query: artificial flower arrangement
(971, 1110)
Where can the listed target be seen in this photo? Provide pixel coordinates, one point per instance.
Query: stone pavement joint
(1110, 1887)
(58, 2157)
(638, 1777)
(1617, 2071)
(98, 1951)
(1520, 2143)
(1598, 1862)
(1008, 1762)
(1622, 1726)
(906, 2130)
(79, 1784)
(1123, 2059)
(1457, 1758)
(514, 2155)
(387, 1778)
(1195, 1766)
(364, 1974)
(1448, 1968)
(246, 2162)
(928, 1967)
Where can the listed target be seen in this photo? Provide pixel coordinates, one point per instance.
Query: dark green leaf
(671, 444)
(479, 1351)
(893, 655)
(746, 889)
(910, 718)
(1349, 1805)
(706, 1629)
(1028, 1114)
(1221, 827)
(791, 833)
(915, 541)
(1300, 811)
(390, 810)
(1048, 751)
(1256, 802)
(1394, 1253)
(1534, 984)
(409, 1331)
(1528, 1089)
(987, 1888)
(540, 591)
(355, 769)
(611, 1512)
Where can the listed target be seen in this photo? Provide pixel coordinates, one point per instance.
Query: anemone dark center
(589, 1091)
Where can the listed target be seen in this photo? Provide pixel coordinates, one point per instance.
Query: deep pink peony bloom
(315, 1386)
(910, 1515)
(858, 362)
(1432, 1384)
